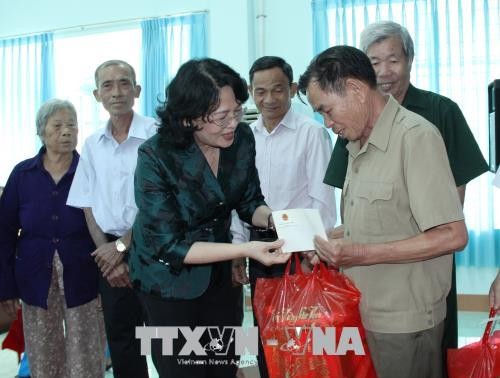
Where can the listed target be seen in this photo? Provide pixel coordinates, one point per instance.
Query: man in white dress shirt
(292, 154)
(104, 187)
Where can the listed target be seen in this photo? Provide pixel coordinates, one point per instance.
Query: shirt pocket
(374, 204)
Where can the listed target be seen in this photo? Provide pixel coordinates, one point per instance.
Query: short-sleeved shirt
(398, 185)
(465, 157)
(104, 178)
(182, 202)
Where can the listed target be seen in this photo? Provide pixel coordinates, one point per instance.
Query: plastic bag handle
(298, 268)
(321, 266)
(487, 329)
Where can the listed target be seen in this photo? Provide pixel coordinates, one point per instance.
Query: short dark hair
(194, 93)
(268, 62)
(331, 68)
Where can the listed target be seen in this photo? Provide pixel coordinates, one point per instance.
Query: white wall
(289, 31)
(231, 23)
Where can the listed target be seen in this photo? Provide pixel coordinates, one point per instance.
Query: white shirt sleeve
(496, 180)
(318, 157)
(241, 234)
(80, 194)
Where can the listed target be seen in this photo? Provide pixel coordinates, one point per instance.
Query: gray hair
(378, 31)
(47, 110)
(114, 62)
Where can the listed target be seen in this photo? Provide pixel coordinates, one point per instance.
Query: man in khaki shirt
(402, 217)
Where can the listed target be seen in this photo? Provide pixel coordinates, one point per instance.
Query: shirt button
(216, 219)
(55, 192)
(54, 217)
(347, 233)
(352, 203)
(356, 170)
(55, 240)
(221, 203)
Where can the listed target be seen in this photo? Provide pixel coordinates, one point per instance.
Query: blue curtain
(26, 74)
(457, 54)
(166, 44)
(198, 46)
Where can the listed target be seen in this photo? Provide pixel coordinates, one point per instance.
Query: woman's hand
(268, 253)
(10, 307)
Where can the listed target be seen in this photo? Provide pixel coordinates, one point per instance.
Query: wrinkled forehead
(386, 47)
(115, 72)
(315, 95)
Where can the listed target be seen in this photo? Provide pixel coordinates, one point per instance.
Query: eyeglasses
(226, 121)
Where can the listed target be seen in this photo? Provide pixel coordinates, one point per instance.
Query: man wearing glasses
(292, 153)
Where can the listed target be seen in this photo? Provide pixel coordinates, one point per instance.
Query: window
(75, 61)
(34, 69)
(456, 55)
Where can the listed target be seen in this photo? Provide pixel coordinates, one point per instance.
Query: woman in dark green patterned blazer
(199, 167)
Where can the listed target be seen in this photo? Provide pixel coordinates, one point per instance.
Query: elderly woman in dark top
(189, 177)
(45, 257)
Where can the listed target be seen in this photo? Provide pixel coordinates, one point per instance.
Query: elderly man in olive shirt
(401, 212)
(390, 49)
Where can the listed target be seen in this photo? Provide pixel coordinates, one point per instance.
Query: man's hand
(10, 307)
(107, 258)
(118, 277)
(495, 294)
(338, 252)
(239, 271)
(336, 233)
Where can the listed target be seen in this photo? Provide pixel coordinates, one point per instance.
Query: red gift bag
(15, 337)
(310, 325)
(477, 360)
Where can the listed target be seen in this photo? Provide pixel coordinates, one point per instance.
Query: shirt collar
(37, 162)
(287, 121)
(136, 130)
(381, 131)
(413, 99)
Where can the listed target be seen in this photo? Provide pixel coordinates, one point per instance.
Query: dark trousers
(122, 313)
(450, 337)
(220, 305)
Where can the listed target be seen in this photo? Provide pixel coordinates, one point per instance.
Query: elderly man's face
(116, 90)
(391, 66)
(344, 114)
